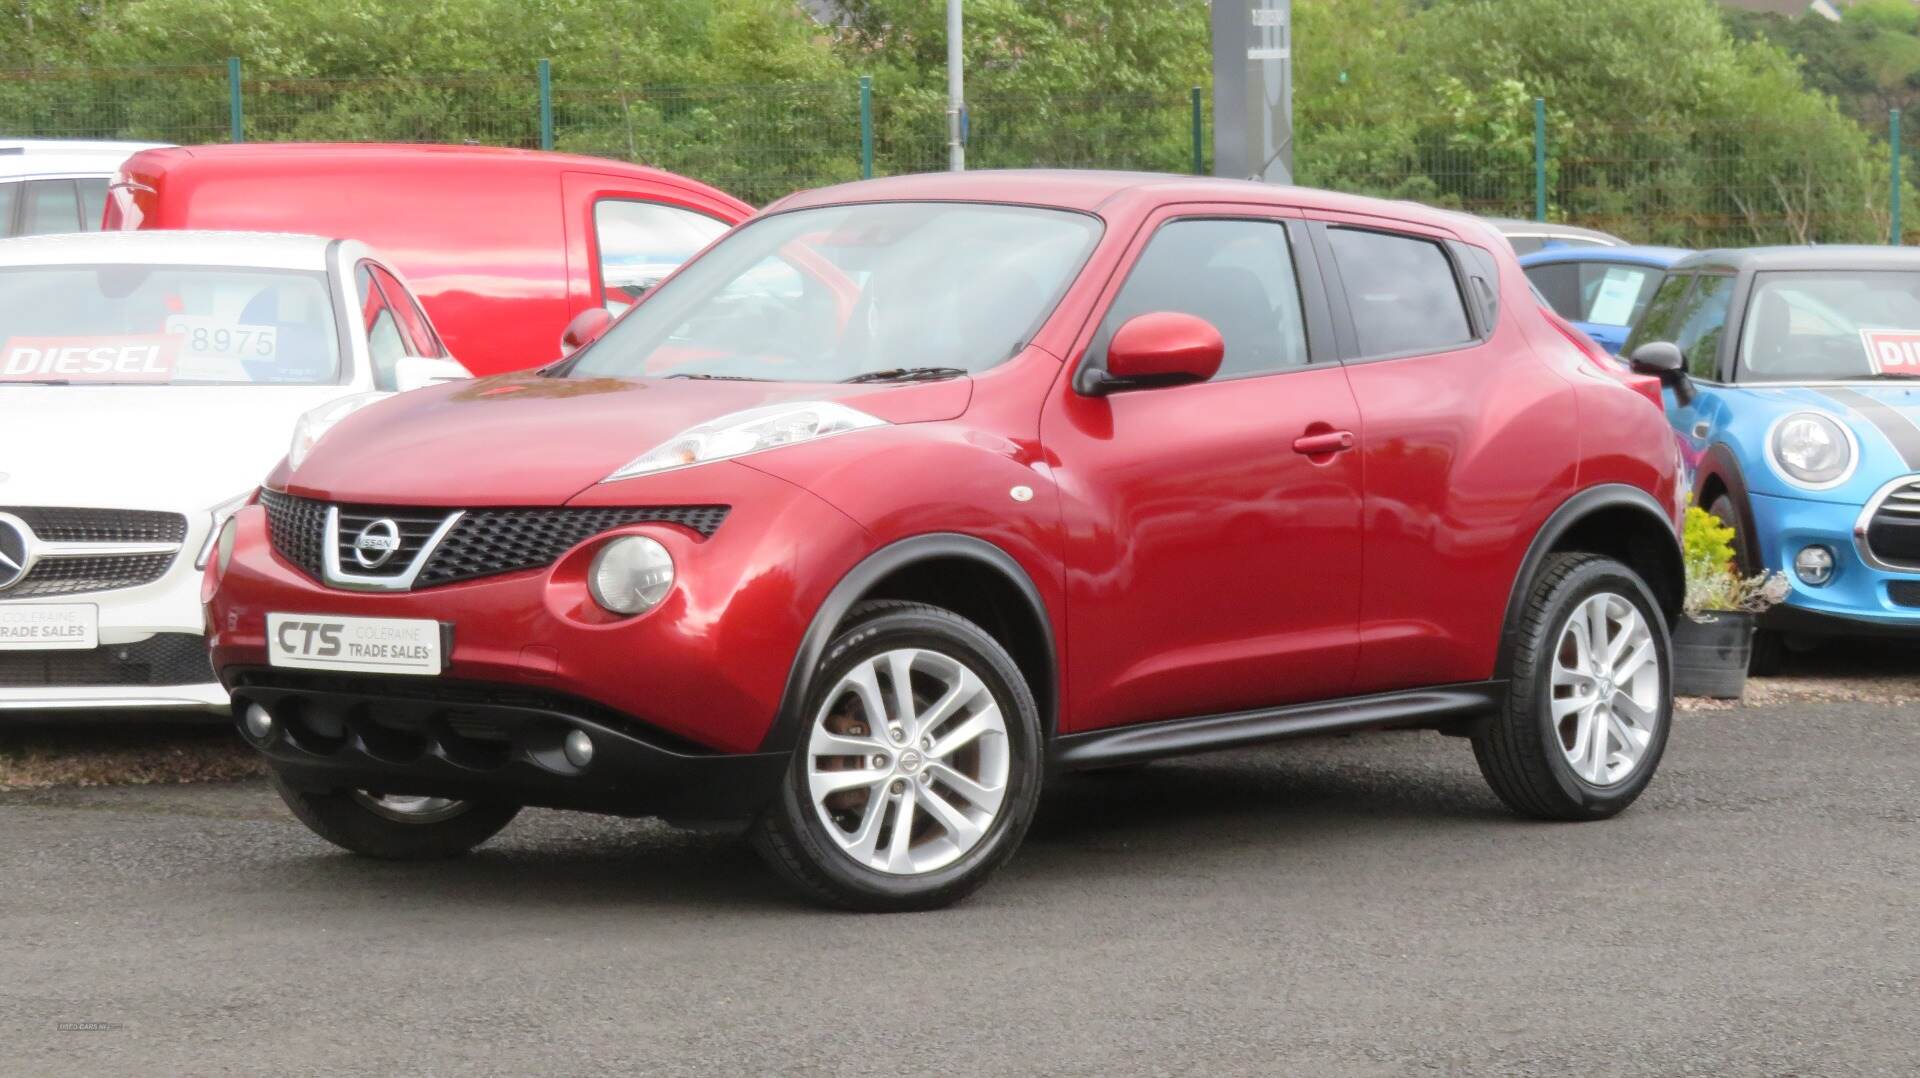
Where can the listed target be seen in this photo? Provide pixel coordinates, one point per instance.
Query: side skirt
(1178, 737)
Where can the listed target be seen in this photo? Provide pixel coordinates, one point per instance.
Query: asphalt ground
(1355, 905)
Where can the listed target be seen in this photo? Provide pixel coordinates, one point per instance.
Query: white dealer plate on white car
(49, 627)
(368, 645)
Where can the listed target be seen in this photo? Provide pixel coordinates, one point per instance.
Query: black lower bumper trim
(337, 733)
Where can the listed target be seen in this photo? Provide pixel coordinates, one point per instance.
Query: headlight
(1812, 450)
(221, 514)
(314, 425)
(630, 575)
(223, 548)
(748, 432)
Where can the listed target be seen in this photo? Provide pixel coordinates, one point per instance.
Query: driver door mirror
(587, 327)
(417, 372)
(1163, 348)
(1663, 360)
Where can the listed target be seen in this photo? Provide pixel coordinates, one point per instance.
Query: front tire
(918, 769)
(395, 828)
(1590, 697)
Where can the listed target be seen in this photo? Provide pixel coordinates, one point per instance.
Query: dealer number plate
(49, 627)
(368, 645)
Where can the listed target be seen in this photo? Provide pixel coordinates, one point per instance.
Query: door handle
(1333, 441)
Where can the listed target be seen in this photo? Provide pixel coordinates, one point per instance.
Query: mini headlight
(1812, 450)
(630, 575)
(748, 432)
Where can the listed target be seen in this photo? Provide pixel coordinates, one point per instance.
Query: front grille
(485, 542)
(162, 659)
(415, 529)
(297, 528)
(490, 541)
(72, 576)
(1893, 534)
(1904, 592)
(55, 525)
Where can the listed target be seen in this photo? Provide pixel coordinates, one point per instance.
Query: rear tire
(906, 800)
(365, 824)
(1566, 744)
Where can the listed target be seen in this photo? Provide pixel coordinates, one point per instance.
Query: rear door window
(642, 242)
(1401, 291)
(93, 202)
(52, 206)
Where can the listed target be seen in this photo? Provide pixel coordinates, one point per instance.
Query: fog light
(259, 724)
(579, 748)
(1814, 565)
(631, 575)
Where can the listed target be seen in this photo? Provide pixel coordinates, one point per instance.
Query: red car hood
(520, 439)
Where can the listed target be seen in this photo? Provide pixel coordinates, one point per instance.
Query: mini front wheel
(918, 768)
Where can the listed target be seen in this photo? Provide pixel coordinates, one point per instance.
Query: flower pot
(1710, 657)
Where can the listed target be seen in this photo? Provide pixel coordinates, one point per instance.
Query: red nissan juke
(909, 493)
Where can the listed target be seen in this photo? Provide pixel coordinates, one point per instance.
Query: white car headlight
(1812, 450)
(221, 514)
(314, 425)
(748, 432)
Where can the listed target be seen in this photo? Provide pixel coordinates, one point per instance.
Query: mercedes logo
(13, 554)
(376, 544)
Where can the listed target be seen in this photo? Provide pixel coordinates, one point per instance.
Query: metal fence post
(1539, 158)
(866, 127)
(1893, 140)
(235, 119)
(545, 67)
(1199, 132)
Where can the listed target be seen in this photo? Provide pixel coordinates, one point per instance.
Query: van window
(641, 242)
(1236, 274)
(52, 206)
(1401, 291)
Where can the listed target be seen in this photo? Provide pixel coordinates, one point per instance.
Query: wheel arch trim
(784, 733)
(1559, 523)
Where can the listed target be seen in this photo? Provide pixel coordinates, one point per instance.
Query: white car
(58, 185)
(148, 382)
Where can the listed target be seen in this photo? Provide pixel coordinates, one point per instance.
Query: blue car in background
(1602, 290)
(1793, 380)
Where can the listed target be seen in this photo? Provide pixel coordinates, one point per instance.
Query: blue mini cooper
(1793, 379)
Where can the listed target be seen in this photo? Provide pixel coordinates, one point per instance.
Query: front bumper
(152, 649)
(1860, 599)
(462, 740)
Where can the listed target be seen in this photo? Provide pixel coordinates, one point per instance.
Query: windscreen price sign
(1893, 351)
(148, 358)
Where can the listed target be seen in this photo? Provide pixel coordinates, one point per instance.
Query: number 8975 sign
(229, 340)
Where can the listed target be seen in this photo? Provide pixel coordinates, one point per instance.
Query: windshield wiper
(908, 374)
(719, 377)
(37, 382)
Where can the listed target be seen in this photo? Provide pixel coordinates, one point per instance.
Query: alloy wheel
(908, 761)
(1606, 689)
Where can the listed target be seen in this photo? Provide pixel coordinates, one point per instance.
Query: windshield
(828, 294)
(1832, 326)
(166, 325)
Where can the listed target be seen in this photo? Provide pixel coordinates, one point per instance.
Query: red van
(503, 246)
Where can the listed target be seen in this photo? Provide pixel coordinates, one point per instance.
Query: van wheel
(1590, 696)
(918, 768)
(393, 828)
